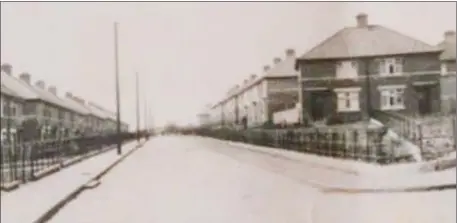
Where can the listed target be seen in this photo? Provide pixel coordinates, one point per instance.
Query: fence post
(421, 140)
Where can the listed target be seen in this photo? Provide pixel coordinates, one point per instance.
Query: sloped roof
(371, 40)
(18, 87)
(82, 109)
(5, 90)
(285, 68)
(449, 48)
(96, 111)
(56, 100)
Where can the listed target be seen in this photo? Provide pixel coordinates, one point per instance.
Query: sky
(187, 54)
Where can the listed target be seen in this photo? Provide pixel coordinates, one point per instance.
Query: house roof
(449, 48)
(5, 90)
(95, 110)
(20, 88)
(369, 40)
(285, 68)
(56, 100)
(82, 109)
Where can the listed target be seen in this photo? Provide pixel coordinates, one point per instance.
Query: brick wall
(411, 63)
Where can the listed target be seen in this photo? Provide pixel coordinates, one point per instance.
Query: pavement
(33, 200)
(180, 179)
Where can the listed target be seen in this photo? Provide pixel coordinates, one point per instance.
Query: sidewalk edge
(72, 195)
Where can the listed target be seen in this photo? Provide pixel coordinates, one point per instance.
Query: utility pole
(118, 101)
(145, 114)
(137, 108)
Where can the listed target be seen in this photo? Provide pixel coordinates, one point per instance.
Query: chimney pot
(52, 89)
(266, 68)
(7, 68)
(25, 77)
(40, 84)
(362, 20)
(276, 60)
(290, 53)
(69, 95)
(449, 36)
(253, 76)
(245, 81)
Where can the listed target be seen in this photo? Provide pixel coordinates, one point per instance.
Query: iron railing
(22, 161)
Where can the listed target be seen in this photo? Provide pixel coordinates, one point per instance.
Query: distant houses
(348, 77)
(35, 111)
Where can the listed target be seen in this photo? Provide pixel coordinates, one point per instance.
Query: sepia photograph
(228, 112)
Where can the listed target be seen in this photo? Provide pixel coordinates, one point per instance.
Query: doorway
(319, 104)
(424, 96)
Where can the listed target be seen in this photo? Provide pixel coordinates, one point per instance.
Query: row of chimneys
(26, 78)
(266, 68)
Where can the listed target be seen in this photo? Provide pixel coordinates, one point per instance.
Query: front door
(244, 122)
(318, 105)
(424, 95)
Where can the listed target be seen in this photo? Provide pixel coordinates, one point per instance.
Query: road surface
(181, 179)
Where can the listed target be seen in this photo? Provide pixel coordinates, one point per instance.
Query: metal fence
(414, 139)
(362, 144)
(23, 160)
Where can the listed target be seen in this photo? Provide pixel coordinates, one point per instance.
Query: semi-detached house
(369, 68)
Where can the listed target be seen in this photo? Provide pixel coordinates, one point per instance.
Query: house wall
(321, 75)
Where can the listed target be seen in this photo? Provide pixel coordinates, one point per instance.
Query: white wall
(289, 116)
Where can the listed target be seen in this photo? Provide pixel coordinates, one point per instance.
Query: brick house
(368, 68)
(253, 103)
(448, 72)
(11, 113)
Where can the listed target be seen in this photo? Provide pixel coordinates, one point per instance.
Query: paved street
(184, 179)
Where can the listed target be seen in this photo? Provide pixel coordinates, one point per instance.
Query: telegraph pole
(118, 102)
(137, 108)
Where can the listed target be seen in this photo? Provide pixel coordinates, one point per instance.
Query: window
(348, 99)
(391, 66)
(346, 69)
(443, 69)
(392, 97)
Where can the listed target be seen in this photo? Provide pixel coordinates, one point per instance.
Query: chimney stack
(79, 100)
(449, 36)
(266, 68)
(290, 53)
(245, 81)
(25, 77)
(362, 20)
(7, 68)
(276, 60)
(53, 90)
(40, 84)
(253, 76)
(69, 95)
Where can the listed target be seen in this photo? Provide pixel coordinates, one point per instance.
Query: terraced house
(11, 112)
(43, 115)
(253, 103)
(368, 68)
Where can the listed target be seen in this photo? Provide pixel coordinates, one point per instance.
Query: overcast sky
(187, 54)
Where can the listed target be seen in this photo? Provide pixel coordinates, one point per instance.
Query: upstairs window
(346, 69)
(391, 66)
